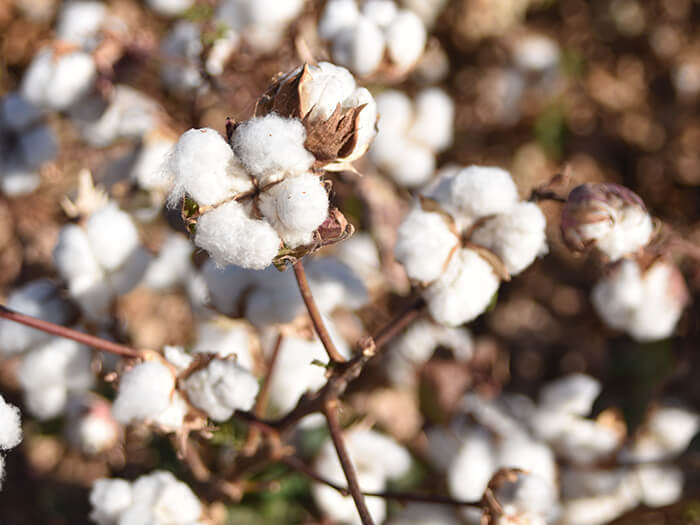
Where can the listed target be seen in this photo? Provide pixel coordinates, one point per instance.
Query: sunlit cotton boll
(336, 16)
(405, 39)
(10, 426)
(360, 47)
(295, 208)
(79, 22)
(434, 115)
(182, 46)
(479, 191)
(527, 500)
(169, 7)
(231, 237)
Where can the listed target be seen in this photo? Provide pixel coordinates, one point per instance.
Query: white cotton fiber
(204, 167)
(80, 21)
(327, 86)
(272, 147)
(405, 39)
(169, 7)
(367, 123)
(469, 473)
(226, 339)
(112, 236)
(572, 394)
(463, 291)
(295, 207)
(425, 241)
(231, 237)
(337, 15)
(517, 237)
(410, 164)
(176, 504)
(479, 191)
(109, 498)
(225, 285)
(395, 111)
(221, 388)
(359, 47)
(381, 12)
(144, 392)
(10, 425)
(172, 266)
(434, 114)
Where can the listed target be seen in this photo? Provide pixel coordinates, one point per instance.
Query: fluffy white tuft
(479, 191)
(405, 39)
(112, 236)
(10, 425)
(336, 16)
(144, 392)
(360, 47)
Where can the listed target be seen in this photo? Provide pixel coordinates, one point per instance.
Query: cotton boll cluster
(10, 431)
(157, 498)
(411, 134)
(608, 216)
(100, 259)
(378, 35)
(27, 143)
(418, 343)
(644, 302)
(376, 459)
(457, 281)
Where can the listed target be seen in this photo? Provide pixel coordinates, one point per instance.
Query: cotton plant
(411, 134)
(375, 37)
(466, 233)
(157, 498)
(376, 458)
(27, 143)
(10, 431)
(260, 194)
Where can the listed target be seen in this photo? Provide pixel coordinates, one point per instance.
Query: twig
(405, 317)
(320, 327)
(329, 410)
(68, 333)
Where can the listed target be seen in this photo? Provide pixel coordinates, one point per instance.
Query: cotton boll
(149, 169)
(221, 388)
(529, 499)
(272, 148)
(182, 46)
(375, 451)
(604, 506)
(470, 471)
(660, 486)
(39, 299)
(327, 86)
(173, 417)
(536, 53)
(231, 237)
(360, 47)
(204, 167)
(295, 207)
(405, 39)
(342, 509)
(225, 338)
(463, 291)
(226, 285)
(176, 504)
(424, 244)
(517, 237)
(221, 51)
(10, 425)
(16, 178)
(572, 394)
(410, 164)
(366, 123)
(172, 265)
(109, 499)
(434, 112)
(112, 236)
(17, 113)
(336, 16)
(381, 12)
(38, 145)
(144, 392)
(334, 285)
(531, 456)
(360, 253)
(479, 191)
(395, 111)
(169, 7)
(675, 427)
(79, 22)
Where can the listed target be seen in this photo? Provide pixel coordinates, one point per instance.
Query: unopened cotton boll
(517, 237)
(80, 21)
(645, 305)
(479, 191)
(231, 237)
(144, 392)
(295, 207)
(221, 388)
(463, 291)
(39, 299)
(405, 39)
(425, 242)
(10, 426)
(272, 148)
(336, 16)
(360, 47)
(204, 167)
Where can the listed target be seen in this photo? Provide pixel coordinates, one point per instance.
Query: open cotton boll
(295, 207)
(272, 148)
(469, 472)
(535, 53)
(336, 16)
(17, 113)
(342, 509)
(463, 291)
(231, 237)
(221, 388)
(204, 167)
(57, 82)
(327, 86)
(528, 500)
(395, 111)
(522, 452)
(225, 338)
(405, 39)
(359, 47)
(150, 167)
(601, 506)
(667, 432)
(381, 12)
(367, 121)
(182, 46)
(572, 394)
(221, 51)
(109, 498)
(424, 244)
(632, 230)
(17, 178)
(410, 164)
(169, 7)
(38, 145)
(40, 299)
(177, 504)
(10, 425)
(375, 451)
(334, 285)
(659, 485)
(517, 237)
(434, 115)
(80, 21)
(144, 392)
(172, 266)
(479, 191)
(112, 236)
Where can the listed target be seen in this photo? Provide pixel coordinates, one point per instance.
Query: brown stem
(405, 317)
(333, 353)
(329, 410)
(68, 333)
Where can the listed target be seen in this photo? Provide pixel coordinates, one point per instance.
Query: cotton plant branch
(68, 333)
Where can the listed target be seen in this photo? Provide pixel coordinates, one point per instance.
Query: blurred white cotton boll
(182, 46)
(112, 236)
(17, 113)
(221, 51)
(336, 16)
(425, 241)
(90, 426)
(172, 266)
(80, 21)
(221, 388)
(666, 433)
(410, 164)
(381, 12)
(463, 291)
(231, 237)
(169, 7)
(226, 285)
(517, 237)
(432, 125)
(272, 147)
(40, 299)
(10, 426)
(479, 191)
(395, 111)
(109, 498)
(535, 52)
(17, 178)
(144, 392)
(295, 207)
(405, 39)
(149, 170)
(470, 471)
(660, 486)
(57, 82)
(572, 394)
(360, 47)
(528, 500)
(204, 167)
(226, 338)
